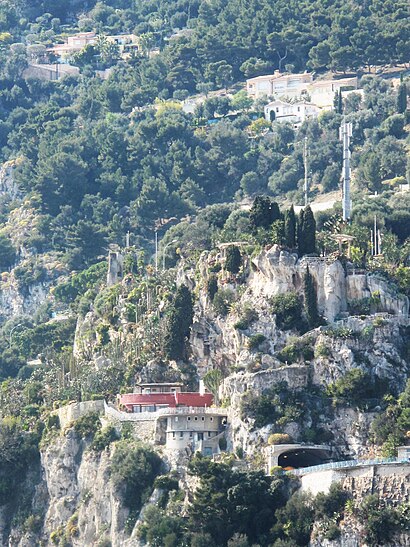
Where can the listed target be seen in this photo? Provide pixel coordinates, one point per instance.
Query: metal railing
(151, 416)
(345, 464)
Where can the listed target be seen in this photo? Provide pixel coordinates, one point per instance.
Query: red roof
(170, 399)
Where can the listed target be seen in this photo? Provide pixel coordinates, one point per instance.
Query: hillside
(189, 354)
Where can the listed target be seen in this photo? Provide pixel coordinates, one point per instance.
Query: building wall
(185, 431)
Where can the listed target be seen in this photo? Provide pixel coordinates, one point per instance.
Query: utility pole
(306, 166)
(345, 133)
(156, 250)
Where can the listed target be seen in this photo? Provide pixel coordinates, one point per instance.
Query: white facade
(320, 92)
(295, 113)
(289, 85)
(197, 431)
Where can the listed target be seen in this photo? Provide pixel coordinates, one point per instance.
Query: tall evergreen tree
(233, 259)
(290, 228)
(306, 232)
(402, 98)
(310, 295)
(263, 212)
(179, 322)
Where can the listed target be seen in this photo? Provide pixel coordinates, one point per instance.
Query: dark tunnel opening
(302, 457)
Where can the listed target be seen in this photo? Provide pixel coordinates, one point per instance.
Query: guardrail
(345, 464)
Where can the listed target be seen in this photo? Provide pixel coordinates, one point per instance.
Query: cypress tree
(300, 232)
(307, 232)
(310, 294)
(260, 215)
(179, 322)
(233, 259)
(402, 98)
(290, 228)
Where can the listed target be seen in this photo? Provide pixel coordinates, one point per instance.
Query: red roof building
(151, 402)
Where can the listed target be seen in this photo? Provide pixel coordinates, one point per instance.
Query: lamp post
(164, 252)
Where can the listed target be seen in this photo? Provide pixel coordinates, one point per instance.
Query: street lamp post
(164, 252)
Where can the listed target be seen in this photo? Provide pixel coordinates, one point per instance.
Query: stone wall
(391, 482)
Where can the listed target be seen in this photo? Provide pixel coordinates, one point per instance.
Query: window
(203, 418)
(189, 418)
(191, 434)
(209, 434)
(196, 418)
(211, 419)
(181, 434)
(173, 434)
(277, 109)
(176, 418)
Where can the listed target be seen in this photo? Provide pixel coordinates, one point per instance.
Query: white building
(289, 85)
(195, 429)
(295, 113)
(320, 92)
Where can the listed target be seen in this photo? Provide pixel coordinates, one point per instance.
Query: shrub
(134, 469)
(104, 438)
(279, 438)
(322, 350)
(87, 425)
(301, 349)
(223, 301)
(357, 386)
(255, 341)
(248, 316)
(288, 310)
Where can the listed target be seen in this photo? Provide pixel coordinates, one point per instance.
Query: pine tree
(310, 294)
(179, 322)
(306, 232)
(402, 98)
(290, 228)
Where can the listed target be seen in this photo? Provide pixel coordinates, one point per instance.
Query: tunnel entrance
(302, 457)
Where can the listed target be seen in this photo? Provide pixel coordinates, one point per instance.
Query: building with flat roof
(295, 113)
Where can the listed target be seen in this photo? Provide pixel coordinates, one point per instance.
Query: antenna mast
(345, 133)
(306, 166)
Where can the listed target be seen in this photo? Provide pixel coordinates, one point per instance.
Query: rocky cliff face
(215, 341)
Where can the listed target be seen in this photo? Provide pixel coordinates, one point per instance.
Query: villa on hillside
(320, 92)
(184, 420)
(74, 44)
(153, 397)
(295, 113)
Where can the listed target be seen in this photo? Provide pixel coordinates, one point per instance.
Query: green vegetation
(179, 322)
(391, 427)
(134, 468)
(357, 388)
(287, 309)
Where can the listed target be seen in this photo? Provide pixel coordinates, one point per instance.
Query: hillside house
(151, 402)
(295, 113)
(289, 85)
(320, 92)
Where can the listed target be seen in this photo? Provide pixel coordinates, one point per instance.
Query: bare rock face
(80, 491)
(8, 186)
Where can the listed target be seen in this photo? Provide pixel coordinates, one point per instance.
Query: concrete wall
(391, 482)
(73, 411)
